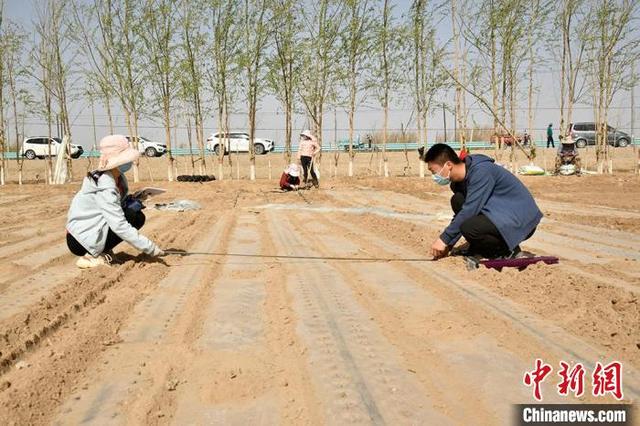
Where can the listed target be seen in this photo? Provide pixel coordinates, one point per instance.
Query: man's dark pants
(550, 142)
(481, 234)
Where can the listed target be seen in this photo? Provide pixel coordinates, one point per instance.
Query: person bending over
(101, 215)
(290, 179)
(493, 210)
(568, 155)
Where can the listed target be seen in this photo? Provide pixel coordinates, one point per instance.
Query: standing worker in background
(550, 136)
(307, 151)
(101, 215)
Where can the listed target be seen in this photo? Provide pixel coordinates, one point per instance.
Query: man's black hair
(439, 153)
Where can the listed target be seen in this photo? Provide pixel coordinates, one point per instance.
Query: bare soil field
(274, 320)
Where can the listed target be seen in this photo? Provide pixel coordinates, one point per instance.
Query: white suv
(238, 142)
(38, 147)
(149, 148)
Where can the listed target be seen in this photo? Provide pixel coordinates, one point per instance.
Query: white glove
(157, 251)
(294, 187)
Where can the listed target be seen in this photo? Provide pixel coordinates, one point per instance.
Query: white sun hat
(115, 151)
(293, 170)
(307, 133)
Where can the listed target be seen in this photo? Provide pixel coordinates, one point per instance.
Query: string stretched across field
(275, 256)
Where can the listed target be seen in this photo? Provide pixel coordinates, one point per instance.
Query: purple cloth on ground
(520, 263)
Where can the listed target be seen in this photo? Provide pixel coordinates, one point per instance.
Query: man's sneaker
(517, 253)
(88, 261)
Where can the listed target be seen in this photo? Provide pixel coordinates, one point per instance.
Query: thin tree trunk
(14, 104)
(221, 143)
(494, 78)
(2, 132)
(107, 104)
(136, 140)
(167, 135)
(193, 161)
(335, 141)
(456, 73)
(288, 131)
(352, 107)
(563, 66)
(95, 133)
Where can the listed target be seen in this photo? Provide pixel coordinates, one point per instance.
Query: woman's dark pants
(306, 165)
(135, 217)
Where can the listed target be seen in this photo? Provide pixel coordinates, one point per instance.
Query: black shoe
(517, 253)
(464, 250)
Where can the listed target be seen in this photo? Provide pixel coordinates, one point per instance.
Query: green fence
(394, 146)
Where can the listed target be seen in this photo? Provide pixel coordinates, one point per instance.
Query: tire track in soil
(230, 350)
(143, 353)
(357, 374)
(473, 365)
(562, 342)
(245, 365)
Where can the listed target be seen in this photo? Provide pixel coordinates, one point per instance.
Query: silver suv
(585, 134)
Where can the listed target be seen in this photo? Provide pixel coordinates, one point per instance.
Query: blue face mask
(441, 180)
(125, 167)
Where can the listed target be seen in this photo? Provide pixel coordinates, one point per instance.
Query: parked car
(149, 148)
(585, 134)
(38, 147)
(238, 142)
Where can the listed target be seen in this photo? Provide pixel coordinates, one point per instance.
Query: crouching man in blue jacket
(493, 210)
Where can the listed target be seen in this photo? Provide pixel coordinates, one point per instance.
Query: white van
(38, 147)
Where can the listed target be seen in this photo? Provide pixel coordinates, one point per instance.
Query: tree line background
(205, 59)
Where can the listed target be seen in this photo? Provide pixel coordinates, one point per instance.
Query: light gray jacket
(95, 209)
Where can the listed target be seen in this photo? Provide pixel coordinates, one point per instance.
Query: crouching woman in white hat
(290, 179)
(97, 220)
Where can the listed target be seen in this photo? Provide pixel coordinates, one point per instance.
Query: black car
(585, 134)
